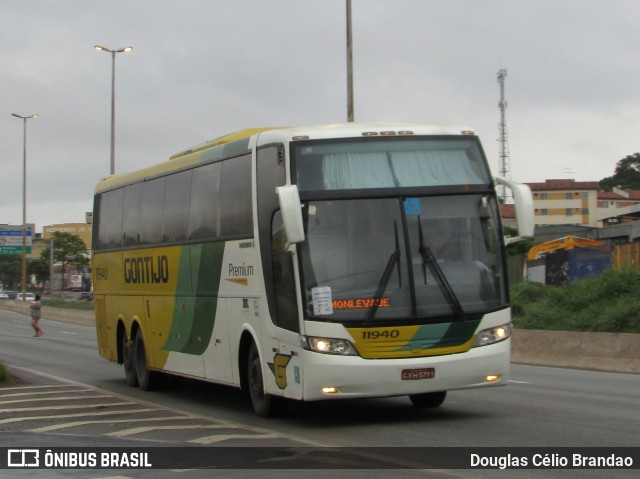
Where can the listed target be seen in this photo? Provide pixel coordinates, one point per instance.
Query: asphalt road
(542, 407)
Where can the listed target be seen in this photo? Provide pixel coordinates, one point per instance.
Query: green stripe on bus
(442, 335)
(194, 315)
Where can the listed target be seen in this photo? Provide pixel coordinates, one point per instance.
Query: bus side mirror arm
(524, 209)
(291, 210)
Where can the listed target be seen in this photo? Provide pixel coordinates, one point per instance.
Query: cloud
(203, 68)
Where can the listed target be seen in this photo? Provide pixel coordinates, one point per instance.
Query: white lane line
(225, 437)
(45, 386)
(518, 382)
(139, 430)
(90, 395)
(41, 393)
(66, 425)
(74, 406)
(75, 415)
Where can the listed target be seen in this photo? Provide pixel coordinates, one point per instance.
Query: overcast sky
(203, 68)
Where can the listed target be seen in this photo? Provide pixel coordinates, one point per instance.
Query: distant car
(11, 294)
(30, 297)
(3, 295)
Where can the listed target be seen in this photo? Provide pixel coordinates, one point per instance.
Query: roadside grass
(606, 303)
(69, 304)
(5, 377)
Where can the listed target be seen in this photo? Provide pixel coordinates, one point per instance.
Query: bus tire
(128, 361)
(147, 380)
(428, 400)
(263, 404)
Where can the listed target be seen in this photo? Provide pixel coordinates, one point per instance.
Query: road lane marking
(67, 416)
(66, 425)
(89, 395)
(518, 382)
(142, 429)
(74, 406)
(225, 437)
(42, 393)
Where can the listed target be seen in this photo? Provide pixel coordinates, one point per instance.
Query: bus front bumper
(332, 376)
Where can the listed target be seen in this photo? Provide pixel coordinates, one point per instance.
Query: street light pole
(24, 201)
(349, 65)
(113, 98)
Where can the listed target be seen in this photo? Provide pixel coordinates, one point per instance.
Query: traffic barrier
(614, 352)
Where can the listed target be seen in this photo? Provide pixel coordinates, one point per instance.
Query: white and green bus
(310, 263)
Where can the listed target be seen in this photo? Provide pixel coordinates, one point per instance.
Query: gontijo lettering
(146, 269)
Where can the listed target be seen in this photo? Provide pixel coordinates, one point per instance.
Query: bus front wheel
(128, 361)
(264, 404)
(427, 400)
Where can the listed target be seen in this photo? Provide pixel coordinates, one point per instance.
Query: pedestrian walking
(35, 316)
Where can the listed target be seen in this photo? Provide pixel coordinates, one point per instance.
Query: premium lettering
(146, 270)
(242, 270)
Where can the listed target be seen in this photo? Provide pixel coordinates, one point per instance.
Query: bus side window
(235, 198)
(177, 203)
(131, 213)
(151, 211)
(205, 201)
(283, 278)
(109, 221)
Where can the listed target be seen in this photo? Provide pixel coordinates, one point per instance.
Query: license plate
(417, 374)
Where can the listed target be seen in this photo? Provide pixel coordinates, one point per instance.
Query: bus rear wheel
(263, 404)
(147, 380)
(128, 361)
(428, 400)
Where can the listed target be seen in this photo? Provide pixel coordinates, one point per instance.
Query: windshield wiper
(429, 260)
(394, 260)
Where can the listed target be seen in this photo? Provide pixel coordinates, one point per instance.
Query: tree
(68, 249)
(626, 176)
(10, 269)
(40, 269)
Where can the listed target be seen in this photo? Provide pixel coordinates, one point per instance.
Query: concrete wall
(594, 351)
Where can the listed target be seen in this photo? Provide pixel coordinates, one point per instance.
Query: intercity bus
(310, 263)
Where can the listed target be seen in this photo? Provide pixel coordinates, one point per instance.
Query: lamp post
(349, 65)
(24, 201)
(113, 97)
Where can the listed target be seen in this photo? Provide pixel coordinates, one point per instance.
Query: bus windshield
(388, 259)
(402, 162)
(386, 237)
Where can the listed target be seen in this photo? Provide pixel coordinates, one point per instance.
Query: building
(565, 202)
(618, 206)
(83, 230)
(568, 207)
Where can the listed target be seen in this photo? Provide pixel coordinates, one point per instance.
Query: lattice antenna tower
(504, 167)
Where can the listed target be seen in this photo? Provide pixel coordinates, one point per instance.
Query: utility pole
(349, 65)
(504, 168)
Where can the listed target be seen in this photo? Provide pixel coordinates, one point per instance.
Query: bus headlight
(492, 335)
(328, 345)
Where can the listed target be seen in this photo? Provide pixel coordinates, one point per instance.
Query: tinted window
(177, 199)
(131, 220)
(151, 211)
(205, 199)
(110, 219)
(235, 203)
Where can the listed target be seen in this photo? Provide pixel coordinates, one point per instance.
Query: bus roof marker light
(405, 132)
(369, 133)
(468, 132)
(492, 378)
(388, 133)
(300, 137)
